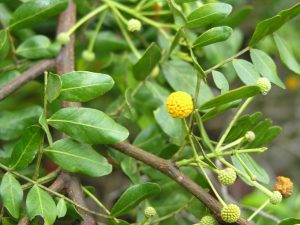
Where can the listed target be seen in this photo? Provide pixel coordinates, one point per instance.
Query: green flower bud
(264, 84)
(88, 56)
(150, 212)
(230, 213)
(250, 136)
(227, 176)
(207, 220)
(276, 198)
(134, 25)
(63, 38)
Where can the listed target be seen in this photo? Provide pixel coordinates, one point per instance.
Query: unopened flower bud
(134, 25)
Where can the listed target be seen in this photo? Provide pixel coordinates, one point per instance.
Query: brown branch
(65, 63)
(26, 76)
(173, 172)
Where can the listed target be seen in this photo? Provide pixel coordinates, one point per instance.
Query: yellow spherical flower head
(179, 104)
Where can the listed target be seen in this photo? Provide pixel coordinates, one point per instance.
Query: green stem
(254, 183)
(145, 220)
(38, 163)
(140, 5)
(43, 180)
(119, 18)
(86, 18)
(251, 175)
(200, 166)
(97, 29)
(230, 145)
(227, 60)
(258, 210)
(186, 162)
(236, 116)
(95, 199)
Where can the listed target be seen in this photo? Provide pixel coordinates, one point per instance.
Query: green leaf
(172, 127)
(133, 196)
(184, 1)
(220, 81)
(53, 87)
(220, 109)
(11, 194)
(289, 221)
(40, 203)
(61, 208)
(286, 55)
(270, 25)
(4, 44)
(12, 123)
(26, 148)
(239, 93)
(8, 76)
(157, 91)
(245, 71)
(182, 77)
(266, 66)
(76, 157)
(237, 17)
(208, 14)
(147, 62)
(88, 125)
(259, 172)
(37, 47)
(33, 12)
(82, 86)
(213, 35)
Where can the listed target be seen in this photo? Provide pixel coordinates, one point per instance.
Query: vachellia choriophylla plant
(95, 88)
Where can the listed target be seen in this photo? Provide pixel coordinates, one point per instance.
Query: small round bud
(150, 212)
(63, 38)
(155, 72)
(264, 84)
(207, 220)
(230, 213)
(88, 56)
(134, 25)
(276, 198)
(250, 136)
(180, 104)
(227, 176)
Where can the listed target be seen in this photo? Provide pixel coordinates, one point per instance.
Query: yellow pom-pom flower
(179, 104)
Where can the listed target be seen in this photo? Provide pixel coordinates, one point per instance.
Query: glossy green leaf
(158, 91)
(289, 221)
(147, 62)
(266, 66)
(270, 25)
(133, 196)
(208, 14)
(172, 127)
(53, 87)
(220, 81)
(213, 35)
(61, 208)
(286, 55)
(182, 77)
(11, 194)
(40, 203)
(237, 17)
(76, 157)
(82, 86)
(4, 44)
(33, 12)
(12, 123)
(245, 71)
(236, 94)
(256, 170)
(220, 109)
(37, 47)
(88, 125)
(26, 148)
(8, 76)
